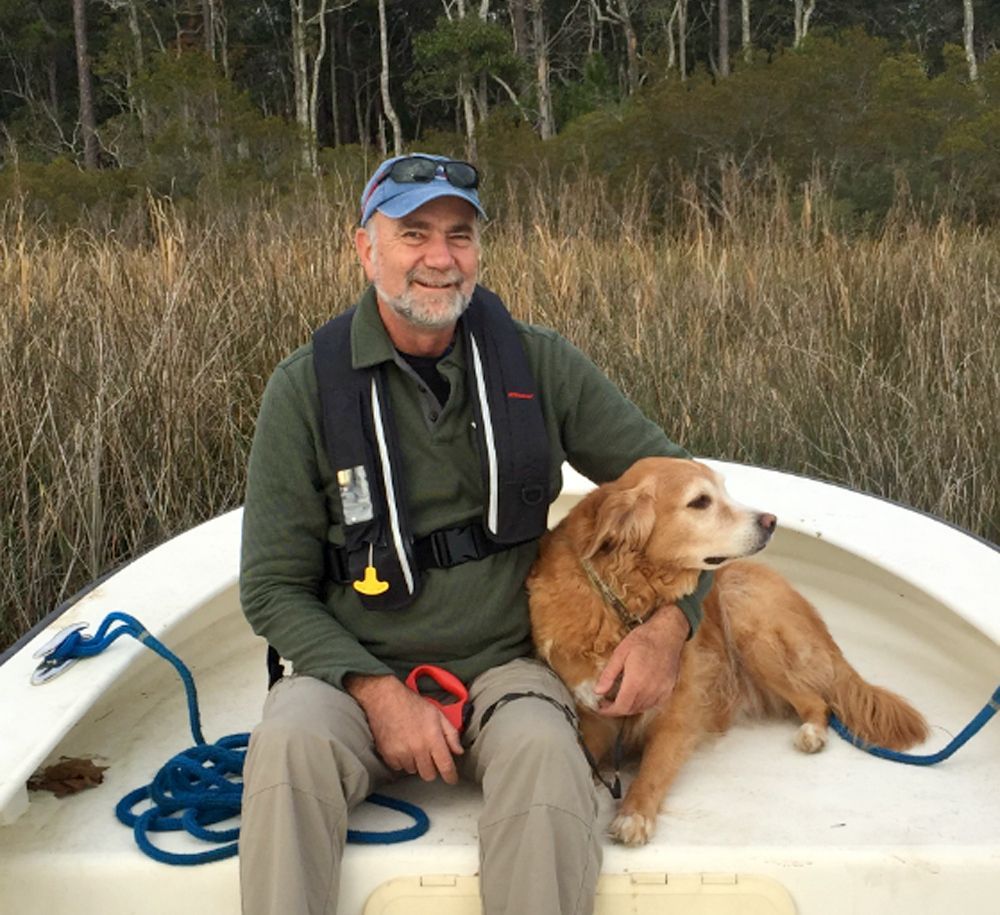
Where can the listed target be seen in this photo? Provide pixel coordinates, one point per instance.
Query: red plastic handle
(453, 711)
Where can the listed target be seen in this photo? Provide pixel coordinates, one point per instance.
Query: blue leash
(202, 785)
(969, 731)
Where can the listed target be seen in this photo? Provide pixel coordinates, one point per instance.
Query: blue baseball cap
(397, 199)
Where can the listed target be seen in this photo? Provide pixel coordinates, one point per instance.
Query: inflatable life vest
(381, 558)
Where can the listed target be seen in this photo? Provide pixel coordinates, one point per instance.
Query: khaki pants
(311, 759)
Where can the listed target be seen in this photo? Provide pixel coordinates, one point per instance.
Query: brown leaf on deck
(68, 776)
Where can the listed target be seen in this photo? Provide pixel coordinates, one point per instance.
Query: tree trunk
(208, 26)
(968, 32)
(88, 122)
(723, 38)
(390, 112)
(803, 13)
(364, 138)
(300, 80)
(682, 28)
(320, 19)
(519, 27)
(334, 91)
(631, 45)
(52, 72)
(221, 26)
(671, 45)
(546, 119)
(136, 33)
(468, 116)
(745, 20)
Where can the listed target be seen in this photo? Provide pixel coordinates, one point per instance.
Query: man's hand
(647, 661)
(410, 734)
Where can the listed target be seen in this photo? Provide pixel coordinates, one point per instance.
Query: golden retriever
(642, 542)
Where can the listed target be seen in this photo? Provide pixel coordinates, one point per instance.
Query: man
(392, 522)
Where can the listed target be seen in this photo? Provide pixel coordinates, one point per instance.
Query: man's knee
(544, 735)
(536, 758)
(296, 755)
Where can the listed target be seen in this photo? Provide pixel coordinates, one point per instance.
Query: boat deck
(841, 831)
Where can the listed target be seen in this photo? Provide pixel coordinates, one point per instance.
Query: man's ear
(624, 519)
(366, 251)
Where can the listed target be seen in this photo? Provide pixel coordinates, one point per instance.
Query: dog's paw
(632, 828)
(810, 739)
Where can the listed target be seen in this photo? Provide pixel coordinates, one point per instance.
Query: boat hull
(837, 832)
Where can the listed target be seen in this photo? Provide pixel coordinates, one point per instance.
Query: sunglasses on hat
(420, 170)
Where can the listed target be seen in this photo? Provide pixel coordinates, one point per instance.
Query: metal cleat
(50, 668)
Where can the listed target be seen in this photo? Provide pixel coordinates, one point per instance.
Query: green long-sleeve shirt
(467, 618)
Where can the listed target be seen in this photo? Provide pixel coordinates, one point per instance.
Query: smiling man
(401, 471)
(425, 270)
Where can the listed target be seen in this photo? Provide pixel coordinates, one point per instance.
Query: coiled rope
(202, 785)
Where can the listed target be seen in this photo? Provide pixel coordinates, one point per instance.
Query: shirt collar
(370, 343)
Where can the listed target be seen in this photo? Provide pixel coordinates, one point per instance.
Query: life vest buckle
(454, 545)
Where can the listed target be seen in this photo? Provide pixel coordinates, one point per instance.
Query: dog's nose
(767, 522)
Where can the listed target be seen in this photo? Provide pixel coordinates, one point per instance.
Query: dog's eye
(702, 501)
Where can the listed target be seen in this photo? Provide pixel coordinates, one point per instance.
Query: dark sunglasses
(418, 170)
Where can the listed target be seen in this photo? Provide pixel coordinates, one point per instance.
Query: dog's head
(677, 512)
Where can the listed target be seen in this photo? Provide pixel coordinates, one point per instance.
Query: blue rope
(420, 823)
(203, 785)
(969, 731)
(77, 645)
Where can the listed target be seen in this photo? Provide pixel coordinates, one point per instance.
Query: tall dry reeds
(751, 328)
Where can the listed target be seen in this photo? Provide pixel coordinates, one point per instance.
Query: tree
(88, 121)
(679, 19)
(723, 38)
(803, 13)
(968, 35)
(540, 47)
(458, 55)
(631, 45)
(305, 72)
(390, 112)
(746, 43)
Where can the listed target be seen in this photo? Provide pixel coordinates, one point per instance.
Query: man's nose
(437, 253)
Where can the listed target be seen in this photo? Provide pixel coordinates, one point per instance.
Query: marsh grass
(751, 328)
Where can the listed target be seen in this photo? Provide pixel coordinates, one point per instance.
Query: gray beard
(421, 314)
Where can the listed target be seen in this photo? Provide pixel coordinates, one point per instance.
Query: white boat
(752, 826)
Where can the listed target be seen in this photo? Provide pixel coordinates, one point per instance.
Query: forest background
(773, 222)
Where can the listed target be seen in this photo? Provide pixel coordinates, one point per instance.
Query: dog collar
(629, 619)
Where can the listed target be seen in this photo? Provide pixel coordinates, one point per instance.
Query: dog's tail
(876, 715)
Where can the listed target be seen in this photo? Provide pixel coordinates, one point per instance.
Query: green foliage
(875, 98)
(461, 51)
(596, 89)
(59, 191)
(844, 103)
(189, 134)
(196, 129)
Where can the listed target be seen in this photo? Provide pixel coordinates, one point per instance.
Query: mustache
(434, 278)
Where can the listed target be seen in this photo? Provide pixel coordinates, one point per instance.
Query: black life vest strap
(441, 549)
(360, 435)
(514, 447)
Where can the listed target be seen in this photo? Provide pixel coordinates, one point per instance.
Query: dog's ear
(624, 518)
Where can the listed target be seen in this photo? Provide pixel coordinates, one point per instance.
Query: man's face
(424, 265)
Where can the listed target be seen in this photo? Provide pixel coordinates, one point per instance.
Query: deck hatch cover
(617, 894)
